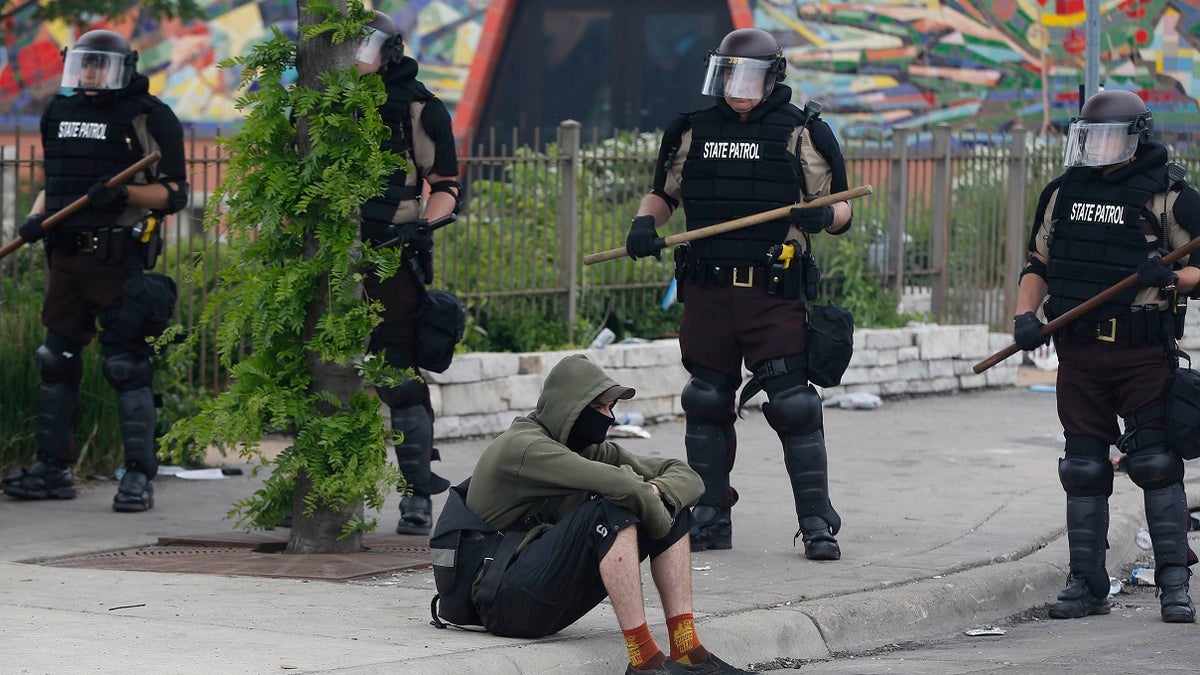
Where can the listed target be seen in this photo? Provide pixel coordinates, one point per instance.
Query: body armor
(85, 140)
(737, 169)
(1098, 239)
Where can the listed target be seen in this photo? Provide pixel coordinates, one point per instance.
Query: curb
(823, 628)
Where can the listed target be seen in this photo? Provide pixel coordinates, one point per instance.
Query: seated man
(554, 518)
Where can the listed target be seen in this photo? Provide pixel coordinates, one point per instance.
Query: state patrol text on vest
(1098, 213)
(94, 130)
(730, 150)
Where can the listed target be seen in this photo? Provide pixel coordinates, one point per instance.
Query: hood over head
(570, 386)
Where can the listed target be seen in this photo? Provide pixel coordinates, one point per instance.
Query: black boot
(1077, 600)
(41, 480)
(135, 494)
(1173, 596)
(416, 515)
(819, 543)
(713, 529)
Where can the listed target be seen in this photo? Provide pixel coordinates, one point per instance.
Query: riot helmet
(382, 44)
(1108, 129)
(746, 64)
(101, 60)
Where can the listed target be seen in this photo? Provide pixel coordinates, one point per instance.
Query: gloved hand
(812, 219)
(643, 239)
(1152, 273)
(410, 235)
(99, 195)
(1027, 331)
(31, 230)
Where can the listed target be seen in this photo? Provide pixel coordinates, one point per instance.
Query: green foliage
(292, 217)
(847, 282)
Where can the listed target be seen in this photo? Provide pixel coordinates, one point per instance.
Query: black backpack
(459, 544)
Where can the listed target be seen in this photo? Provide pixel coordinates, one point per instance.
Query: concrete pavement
(952, 512)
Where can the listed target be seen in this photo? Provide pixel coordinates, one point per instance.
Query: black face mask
(591, 427)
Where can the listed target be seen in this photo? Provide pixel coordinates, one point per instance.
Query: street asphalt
(952, 517)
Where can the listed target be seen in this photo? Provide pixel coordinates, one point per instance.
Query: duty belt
(688, 266)
(106, 243)
(1142, 325)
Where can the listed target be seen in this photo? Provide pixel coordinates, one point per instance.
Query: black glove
(643, 239)
(1027, 331)
(99, 195)
(410, 235)
(812, 219)
(1154, 274)
(31, 230)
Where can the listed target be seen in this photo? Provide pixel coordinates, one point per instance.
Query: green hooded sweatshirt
(529, 465)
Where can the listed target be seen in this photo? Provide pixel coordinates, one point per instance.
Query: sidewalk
(952, 510)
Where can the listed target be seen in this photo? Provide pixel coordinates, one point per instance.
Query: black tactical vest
(397, 114)
(1098, 238)
(737, 169)
(83, 142)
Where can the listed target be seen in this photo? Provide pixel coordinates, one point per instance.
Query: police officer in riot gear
(97, 260)
(422, 135)
(1114, 211)
(751, 152)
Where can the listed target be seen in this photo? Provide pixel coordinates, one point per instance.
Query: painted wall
(875, 65)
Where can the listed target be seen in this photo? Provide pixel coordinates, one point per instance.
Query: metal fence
(944, 230)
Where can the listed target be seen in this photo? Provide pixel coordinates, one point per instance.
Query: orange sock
(644, 654)
(685, 646)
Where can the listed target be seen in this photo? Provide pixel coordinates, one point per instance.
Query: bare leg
(672, 572)
(621, 572)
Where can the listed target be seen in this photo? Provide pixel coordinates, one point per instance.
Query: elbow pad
(177, 198)
(845, 228)
(451, 187)
(671, 202)
(1033, 266)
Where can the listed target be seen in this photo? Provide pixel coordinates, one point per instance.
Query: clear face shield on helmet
(737, 77)
(95, 70)
(1099, 143)
(370, 49)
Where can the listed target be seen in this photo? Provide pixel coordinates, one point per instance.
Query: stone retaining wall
(482, 392)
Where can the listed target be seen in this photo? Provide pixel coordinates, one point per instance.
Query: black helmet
(382, 43)
(1108, 129)
(101, 60)
(747, 64)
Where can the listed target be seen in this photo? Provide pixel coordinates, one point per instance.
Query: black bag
(1183, 409)
(830, 344)
(458, 547)
(440, 325)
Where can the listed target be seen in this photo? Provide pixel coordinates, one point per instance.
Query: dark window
(608, 64)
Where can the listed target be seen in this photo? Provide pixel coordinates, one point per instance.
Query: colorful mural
(182, 60)
(983, 64)
(874, 65)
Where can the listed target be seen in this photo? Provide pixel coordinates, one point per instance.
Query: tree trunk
(319, 533)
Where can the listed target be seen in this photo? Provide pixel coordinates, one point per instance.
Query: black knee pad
(1153, 468)
(1086, 470)
(793, 411)
(59, 361)
(408, 393)
(706, 402)
(126, 371)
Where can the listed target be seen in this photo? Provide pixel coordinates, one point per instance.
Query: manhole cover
(260, 555)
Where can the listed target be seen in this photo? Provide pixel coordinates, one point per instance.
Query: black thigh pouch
(1183, 410)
